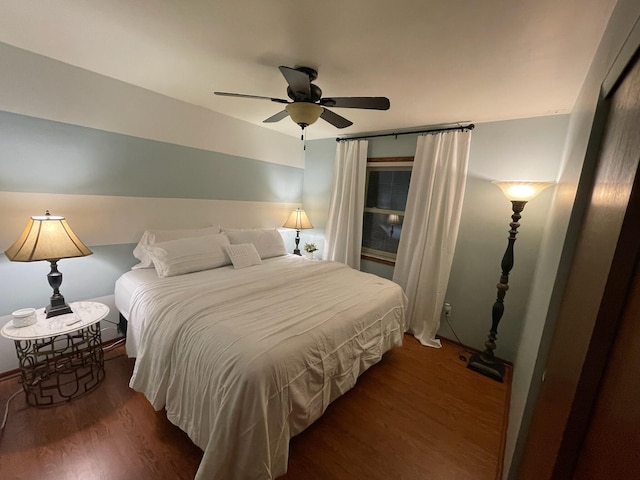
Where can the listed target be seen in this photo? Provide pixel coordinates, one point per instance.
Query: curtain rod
(471, 126)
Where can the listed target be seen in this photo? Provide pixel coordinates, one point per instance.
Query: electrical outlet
(447, 309)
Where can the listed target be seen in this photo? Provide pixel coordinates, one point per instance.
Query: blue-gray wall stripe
(44, 156)
(83, 277)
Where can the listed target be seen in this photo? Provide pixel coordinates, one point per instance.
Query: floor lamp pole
(485, 362)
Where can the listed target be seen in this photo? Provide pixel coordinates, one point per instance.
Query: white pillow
(150, 237)
(187, 255)
(268, 241)
(243, 255)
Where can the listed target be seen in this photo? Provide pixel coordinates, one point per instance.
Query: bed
(244, 359)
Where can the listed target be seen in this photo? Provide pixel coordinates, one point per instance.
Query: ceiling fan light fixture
(304, 113)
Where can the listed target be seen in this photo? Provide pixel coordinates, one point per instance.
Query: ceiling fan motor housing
(315, 94)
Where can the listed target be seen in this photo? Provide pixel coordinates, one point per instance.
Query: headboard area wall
(115, 159)
(111, 187)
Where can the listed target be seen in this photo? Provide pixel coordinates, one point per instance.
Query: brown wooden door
(611, 449)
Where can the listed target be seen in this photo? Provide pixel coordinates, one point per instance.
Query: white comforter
(244, 359)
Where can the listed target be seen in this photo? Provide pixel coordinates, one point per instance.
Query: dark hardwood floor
(418, 414)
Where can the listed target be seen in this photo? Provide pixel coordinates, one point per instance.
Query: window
(387, 186)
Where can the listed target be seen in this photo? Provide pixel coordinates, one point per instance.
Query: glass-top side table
(60, 358)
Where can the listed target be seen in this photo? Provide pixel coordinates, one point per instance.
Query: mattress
(127, 284)
(242, 360)
(125, 287)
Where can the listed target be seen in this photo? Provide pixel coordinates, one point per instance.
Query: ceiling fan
(308, 105)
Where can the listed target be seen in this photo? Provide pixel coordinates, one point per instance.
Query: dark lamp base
(57, 307)
(296, 250)
(492, 369)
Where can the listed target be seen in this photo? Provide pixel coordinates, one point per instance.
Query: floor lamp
(519, 193)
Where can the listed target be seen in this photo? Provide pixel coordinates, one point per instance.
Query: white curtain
(343, 238)
(430, 228)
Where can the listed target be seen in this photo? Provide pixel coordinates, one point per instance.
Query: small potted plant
(310, 248)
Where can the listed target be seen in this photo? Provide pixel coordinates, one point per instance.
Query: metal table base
(58, 369)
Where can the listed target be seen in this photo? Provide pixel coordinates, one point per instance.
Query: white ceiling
(438, 61)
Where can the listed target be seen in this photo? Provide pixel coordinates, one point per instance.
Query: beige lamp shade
(46, 237)
(304, 113)
(522, 191)
(298, 220)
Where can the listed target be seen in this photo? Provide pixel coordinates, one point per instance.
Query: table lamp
(393, 219)
(50, 238)
(298, 220)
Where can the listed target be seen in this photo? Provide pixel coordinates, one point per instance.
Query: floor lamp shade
(298, 220)
(48, 237)
(523, 191)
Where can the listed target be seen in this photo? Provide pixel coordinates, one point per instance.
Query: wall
(115, 159)
(560, 234)
(525, 149)
(316, 189)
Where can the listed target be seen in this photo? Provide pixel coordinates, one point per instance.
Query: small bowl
(24, 317)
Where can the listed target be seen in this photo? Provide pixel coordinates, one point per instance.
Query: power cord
(447, 313)
(6, 409)
(114, 345)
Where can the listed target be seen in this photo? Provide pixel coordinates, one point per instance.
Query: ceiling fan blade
(335, 119)
(242, 95)
(277, 117)
(298, 82)
(370, 103)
